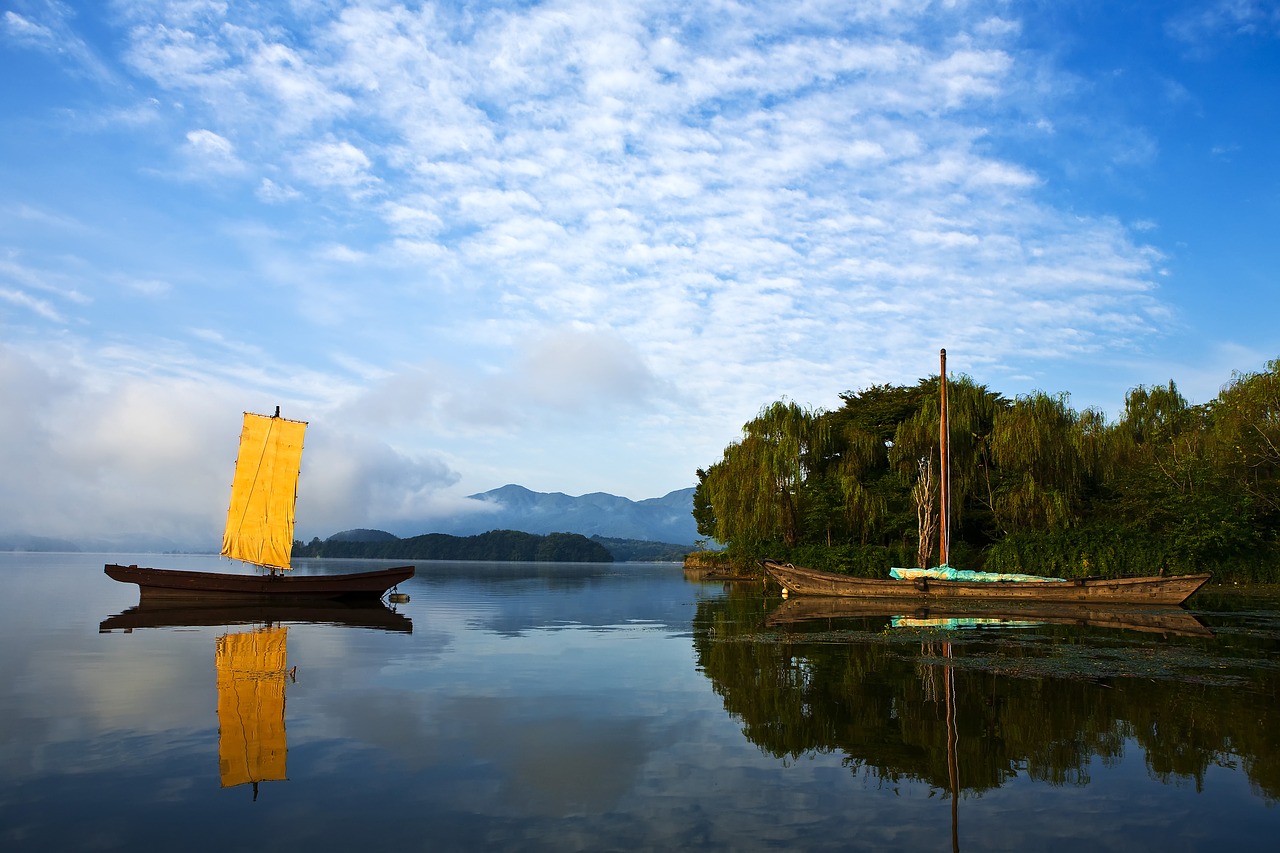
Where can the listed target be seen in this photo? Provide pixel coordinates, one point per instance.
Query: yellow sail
(251, 736)
(260, 519)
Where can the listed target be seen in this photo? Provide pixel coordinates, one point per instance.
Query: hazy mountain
(22, 542)
(665, 519)
(138, 543)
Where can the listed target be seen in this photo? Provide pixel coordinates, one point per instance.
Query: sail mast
(944, 533)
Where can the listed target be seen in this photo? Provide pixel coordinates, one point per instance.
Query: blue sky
(576, 245)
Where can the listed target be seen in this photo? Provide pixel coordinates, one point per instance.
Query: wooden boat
(1146, 590)
(1143, 618)
(1141, 590)
(156, 584)
(259, 531)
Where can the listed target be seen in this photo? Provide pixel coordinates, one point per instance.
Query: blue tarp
(946, 573)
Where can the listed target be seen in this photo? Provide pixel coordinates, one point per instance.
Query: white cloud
(38, 290)
(177, 58)
(341, 254)
(138, 453)
(272, 193)
(53, 33)
(1205, 26)
(211, 154)
(659, 214)
(147, 287)
(34, 304)
(334, 164)
(580, 371)
(26, 31)
(355, 481)
(114, 452)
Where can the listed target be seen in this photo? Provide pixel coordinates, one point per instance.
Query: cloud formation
(549, 242)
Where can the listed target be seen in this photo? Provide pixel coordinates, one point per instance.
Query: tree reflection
(1043, 702)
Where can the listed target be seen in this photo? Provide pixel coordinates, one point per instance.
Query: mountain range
(511, 507)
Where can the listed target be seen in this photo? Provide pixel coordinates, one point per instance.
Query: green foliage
(643, 551)
(1036, 486)
(973, 412)
(755, 491)
(1247, 420)
(1034, 444)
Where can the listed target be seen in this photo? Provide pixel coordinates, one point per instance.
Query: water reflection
(522, 714)
(168, 614)
(1154, 620)
(252, 669)
(969, 711)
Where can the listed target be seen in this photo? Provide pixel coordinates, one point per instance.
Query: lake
(624, 707)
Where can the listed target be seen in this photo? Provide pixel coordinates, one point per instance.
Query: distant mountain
(22, 542)
(665, 519)
(140, 543)
(362, 535)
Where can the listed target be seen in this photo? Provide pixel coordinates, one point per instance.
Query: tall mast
(944, 527)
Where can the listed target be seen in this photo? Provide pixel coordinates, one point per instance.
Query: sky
(577, 244)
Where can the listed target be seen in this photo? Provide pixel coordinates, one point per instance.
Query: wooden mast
(944, 527)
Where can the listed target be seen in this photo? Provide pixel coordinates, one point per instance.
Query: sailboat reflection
(375, 615)
(253, 670)
(252, 746)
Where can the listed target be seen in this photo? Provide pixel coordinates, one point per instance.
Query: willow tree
(862, 456)
(1160, 448)
(1043, 461)
(757, 490)
(972, 411)
(1246, 419)
(1160, 433)
(873, 497)
(1154, 416)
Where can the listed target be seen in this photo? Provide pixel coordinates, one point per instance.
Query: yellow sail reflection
(260, 518)
(251, 736)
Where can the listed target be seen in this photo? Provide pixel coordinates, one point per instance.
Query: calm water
(572, 707)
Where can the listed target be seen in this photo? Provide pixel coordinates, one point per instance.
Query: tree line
(496, 545)
(1036, 486)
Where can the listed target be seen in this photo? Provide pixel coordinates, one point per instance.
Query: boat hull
(171, 584)
(1146, 590)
